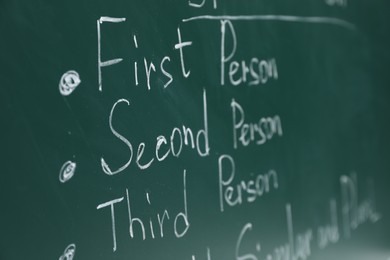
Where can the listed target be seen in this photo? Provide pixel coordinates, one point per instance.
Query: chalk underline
(281, 18)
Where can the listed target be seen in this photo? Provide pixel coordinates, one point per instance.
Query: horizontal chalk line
(281, 18)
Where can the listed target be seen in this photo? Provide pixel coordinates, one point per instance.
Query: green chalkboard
(195, 129)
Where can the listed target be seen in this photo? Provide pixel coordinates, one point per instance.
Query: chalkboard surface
(195, 129)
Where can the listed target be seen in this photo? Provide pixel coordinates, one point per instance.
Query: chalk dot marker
(258, 247)
(69, 82)
(67, 171)
(69, 252)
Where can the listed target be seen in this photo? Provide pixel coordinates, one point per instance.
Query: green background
(331, 95)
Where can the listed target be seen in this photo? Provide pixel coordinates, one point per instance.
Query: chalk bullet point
(69, 82)
(258, 247)
(67, 171)
(69, 252)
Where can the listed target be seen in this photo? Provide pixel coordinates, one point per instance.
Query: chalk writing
(179, 137)
(342, 3)
(243, 191)
(69, 82)
(259, 132)
(355, 213)
(69, 252)
(298, 246)
(256, 71)
(180, 224)
(135, 213)
(329, 234)
(67, 171)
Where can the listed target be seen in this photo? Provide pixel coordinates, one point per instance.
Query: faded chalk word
(342, 3)
(329, 234)
(69, 252)
(354, 212)
(298, 246)
(69, 82)
(259, 132)
(256, 71)
(208, 255)
(233, 192)
(67, 171)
